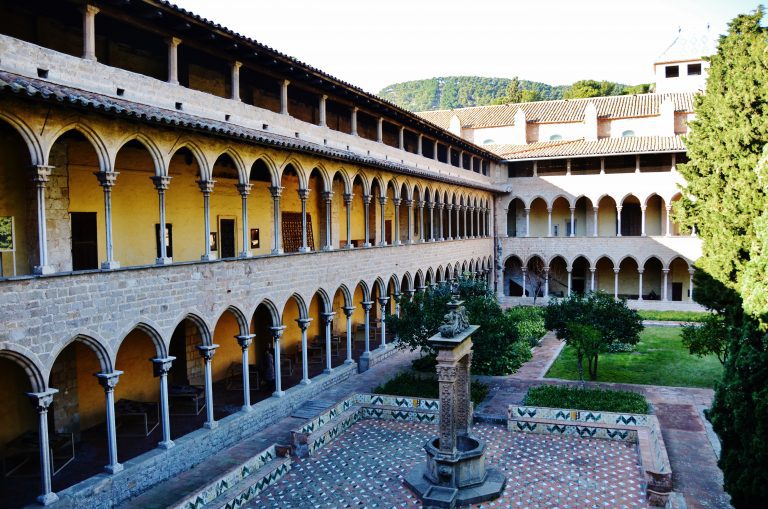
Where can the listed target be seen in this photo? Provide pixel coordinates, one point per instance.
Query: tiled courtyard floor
(365, 468)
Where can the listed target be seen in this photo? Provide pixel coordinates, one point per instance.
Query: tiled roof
(562, 110)
(583, 148)
(39, 89)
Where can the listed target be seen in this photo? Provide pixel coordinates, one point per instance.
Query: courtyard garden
(558, 396)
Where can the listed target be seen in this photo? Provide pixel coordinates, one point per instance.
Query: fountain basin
(463, 468)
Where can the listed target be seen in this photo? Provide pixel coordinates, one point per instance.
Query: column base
(349, 246)
(114, 264)
(47, 499)
(208, 258)
(277, 251)
(278, 394)
(244, 254)
(409, 242)
(113, 469)
(165, 445)
(382, 244)
(440, 239)
(42, 270)
(211, 424)
(328, 371)
(449, 238)
(367, 244)
(349, 361)
(304, 250)
(246, 408)
(305, 381)
(326, 248)
(163, 261)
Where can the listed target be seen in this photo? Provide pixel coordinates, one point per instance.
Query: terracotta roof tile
(582, 148)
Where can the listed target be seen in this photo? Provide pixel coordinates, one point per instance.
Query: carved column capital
(348, 198)
(206, 186)
(161, 182)
(367, 305)
(42, 400)
(107, 179)
(304, 323)
(207, 351)
(327, 196)
(109, 380)
(348, 310)
(244, 189)
(303, 194)
(367, 199)
(328, 317)
(276, 191)
(383, 200)
(161, 365)
(41, 173)
(245, 340)
(277, 332)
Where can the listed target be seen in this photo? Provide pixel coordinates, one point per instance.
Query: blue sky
(372, 44)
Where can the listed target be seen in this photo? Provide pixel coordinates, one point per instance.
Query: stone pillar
(664, 292)
(419, 145)
(401, 138)
(637, 163)
(463, 399)
(284, 97)
(380, 130)
(570, 279)
(446, 377)
(573, 222)
(303, 195)
(525, 273)
(367, 305)
(277, 246)
(236, 80)
(382, 220)
(546, 282)
(348, 208)
(42, 401)
(549, 221)
(431, 221)
(640, 284)
(618, 220)
(348, 310)
(277, 332)
(244, 190)
(383, 301)
(616, 283)
(434, 152)
(396, 223)
(690, 284)
(108, 381)
(422, 236)
(440, 221)
(592, 279)
(464, 218)
(328, 198)
(449, 208)
(527, 222)
(161, 185)
(89, 32)
(602, 166)
(303, 325)
(668, 226)
(353, 121)
(328, 322)
(245, 341)
(472, 232)
(642, 221)
(409, 235)
(160, 367)
(321, 109)
(206, 187)
(594, 221)
(173, 60)
(568, 167)
(367, 205)
(107, 181)
(206, 352)
(40, 178)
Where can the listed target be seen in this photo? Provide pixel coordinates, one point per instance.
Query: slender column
(348, 207)
(535, 169)
(440, 220)
(665, 295)
(303, 325)
(236, 80)
(527, 222)
(642, 221)
(383, 301)
(40, 178)
(353, 121)
(396, 227)
(367, 204)
(160, 367)
(434, 152)
(602, 166)
(328, 198)
(616, 283)
(449, 208)
(284, 97)
(380, 130)
(431, 221)
(367, 305)
(348, 310)
(89, 32)
(383, 204)
(592, 279)
(107, 180)
(41, 401)
(422, 236)
(674, 163)
(568, 167)
(637, 163)
(206, 187)
(525, 273)
(245, 341)
(328, 322)
(472, 223)
(594, 221)
(546, 282)
(668, 229)
(277, 332)
(244, 190)
(464, 214)
(173, 60)
(161, 185)
(321, 110)
(549, 221)
(206, 352)
(419, 145)
(640, 284)
(401, 138)
(690, 284)
(277, 246)
(573, 222)
(448, 155)
(618, 220)
(303, 195)
(108, 381)
(409, 235)
(570, 280)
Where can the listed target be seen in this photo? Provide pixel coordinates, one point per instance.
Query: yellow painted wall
(561, 216)
(655, 215)
(184, 210)
(538, 219)
(606, 218)
(89, 393)
(18, 415)
(229, 350)
(678, 273)
(137, 381)
(13, 200)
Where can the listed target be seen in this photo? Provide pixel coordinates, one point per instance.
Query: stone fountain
(454, 473)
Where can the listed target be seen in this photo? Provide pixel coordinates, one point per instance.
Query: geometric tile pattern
(364, 467)
(578, 415)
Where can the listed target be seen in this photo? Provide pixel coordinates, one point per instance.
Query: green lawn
(674, 316)
(660, 359)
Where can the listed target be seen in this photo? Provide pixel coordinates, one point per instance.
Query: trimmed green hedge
(408, 384)
(557, 396)
(674, 316)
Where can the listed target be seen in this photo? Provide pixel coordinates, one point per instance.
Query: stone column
(396, 236)
(367, 206)
(568, 167)
(244, 190)
(284, 97)
(380, 130)
(383, 204)
(40, 178)
(348, 208)
(640, 284)
(637, 163)
(419, 145)
(449, 208)
(434, 155)
(303, 195)
(303, 326)
(108, 381)
(383, 301)
(440, 220)
(592, 279)
(160, 367)
(573, 222)
(328, 322)
(401, 138)
(409, 205)
(594, 221)
(236, 80)
(525, 273)
(161, 184)
(206, 352)
(367, 305)
(41, 401)
(527, 222)
(642, 221)
(107, 180)
(690, 284)
(668, 226)
(472, 232)
(549, 221)
(602, 166)
(665, 297)
(173, 60)
(348, 310)
(546, 282)
(89, 31)
(464, 218)
(353, 121)
(206, 187)
(431, 206)
(328, 198)
(245, 341)
(277, 332)
(570, 280)
(321, 111)
(463, 416)
(616, 283)
(277, 246)
(422, 237)
(618, 220)
(446, 376)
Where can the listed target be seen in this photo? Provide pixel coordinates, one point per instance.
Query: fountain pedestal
(454, 473)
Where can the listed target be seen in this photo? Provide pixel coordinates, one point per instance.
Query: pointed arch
(101, 351)
(344, 176)
(91, 136)
(33, 143)
(197, 155)
(151, 333)
(347, 296)
(271, 166)
(205, 332)
(325, 299)
(272, 309)
(24, 359)
(297, 167)
(161, 168)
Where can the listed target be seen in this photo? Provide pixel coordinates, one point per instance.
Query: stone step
(239, 494)
(313, 408)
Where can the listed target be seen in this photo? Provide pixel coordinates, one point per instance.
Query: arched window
(489, 141)
(627, 133)
(555, 137)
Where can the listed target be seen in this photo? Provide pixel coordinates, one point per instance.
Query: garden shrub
(527, 323)
(558, 396)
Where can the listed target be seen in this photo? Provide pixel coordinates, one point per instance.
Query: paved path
(691, 445)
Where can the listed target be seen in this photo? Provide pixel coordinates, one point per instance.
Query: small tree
(586, 340)
(710, 337)
(614, 321)
(537, 277)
